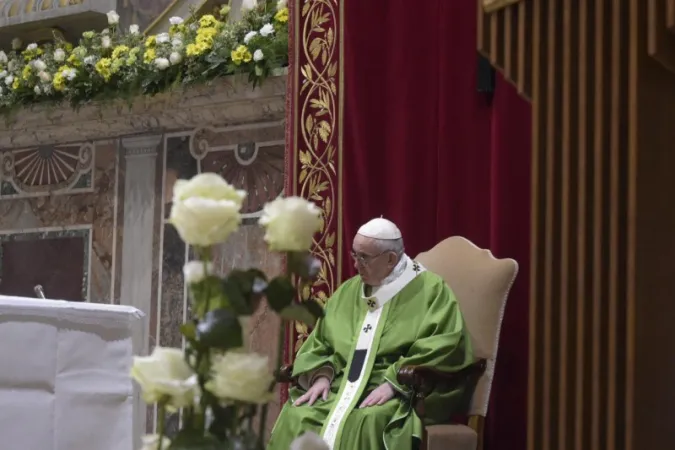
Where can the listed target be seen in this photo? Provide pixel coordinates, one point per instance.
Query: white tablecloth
(64, 375)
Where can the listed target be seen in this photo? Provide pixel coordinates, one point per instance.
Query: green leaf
(220, 329)
(307, 312)
(189, 330)
(304, 264)
(280, 293)
(244, 289)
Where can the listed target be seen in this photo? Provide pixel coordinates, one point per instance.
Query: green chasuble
(413, 319)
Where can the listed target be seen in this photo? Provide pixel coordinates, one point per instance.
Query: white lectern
(64, 375)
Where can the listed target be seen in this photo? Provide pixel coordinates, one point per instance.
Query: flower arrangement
(218, 386)
(118, 63)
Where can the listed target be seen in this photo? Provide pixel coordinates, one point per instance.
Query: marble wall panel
(53, 192)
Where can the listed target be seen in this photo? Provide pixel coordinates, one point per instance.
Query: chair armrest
(422, 380)
(285, 375)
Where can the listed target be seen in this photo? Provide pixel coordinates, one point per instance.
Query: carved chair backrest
(481, 284)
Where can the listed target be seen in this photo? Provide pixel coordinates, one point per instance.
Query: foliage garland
(124, 64)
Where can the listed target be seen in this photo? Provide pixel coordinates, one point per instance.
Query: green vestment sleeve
(442, 342)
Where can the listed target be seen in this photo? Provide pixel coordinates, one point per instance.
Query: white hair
(390, 245)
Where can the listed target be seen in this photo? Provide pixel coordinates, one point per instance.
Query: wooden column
(602, 284)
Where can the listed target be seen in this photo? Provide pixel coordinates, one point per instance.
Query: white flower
(258, 55)
(247, 5)
(151, 442)
(37, 90)
(3, 74)
(175, 20)
(267, 29)
(45, 76)
(90, 60)
(205, 209)
(196, 271)
(165, 375)
(3, 57)
(59, 55)
(290, 224)
(70, 74)
(39, 64)
(309, 441)
(175, 58)
(281, 4)
(241, 376)
(105, 32)
(9, 80)
(113, 17)
(134, 29)
(177, 43)
(11, 65)
(106, 42)
(16, 43)
(250, 35)
(162, 38)
(32, 46)
(2, 91)
(162, 63)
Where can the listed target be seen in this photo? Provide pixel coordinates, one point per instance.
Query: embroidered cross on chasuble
(362, 342)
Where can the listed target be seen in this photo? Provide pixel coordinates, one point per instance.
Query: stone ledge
(225, 101)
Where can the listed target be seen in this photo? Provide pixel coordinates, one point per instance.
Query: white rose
(175, 20)
(258, 55)
(32, 46)
(70, 74)
(196, 271)
(59, 55)
(37, 90)
(162, 63)
(175, 58)
(11, 65)
(241, 376)
(309, 441)
(105, 32)
(9, 80)
(162, 38)
(177, 43)
(90, 60)
(106, 42)
(205, 209)
(250, 35)
(113, 18)
(290, 224)
(267, 29)
(39, 64)
(16, 43)
(3, 57)
(247, 5)
(281, 4)
(134, 29)
(165, 375)
(45, 76)
(151, 442)
(3, 74)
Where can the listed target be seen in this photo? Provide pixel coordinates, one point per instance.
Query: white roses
(165, 376)
(309, 441)
(290, 224)
(113, 18)
(247, 5)
(205, 209)
(241, 377)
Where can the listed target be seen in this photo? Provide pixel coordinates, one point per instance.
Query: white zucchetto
(380, 228)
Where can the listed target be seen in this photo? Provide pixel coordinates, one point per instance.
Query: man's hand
(321, 387)
(379, 396)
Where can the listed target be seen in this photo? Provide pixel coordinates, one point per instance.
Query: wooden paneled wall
(603, 99)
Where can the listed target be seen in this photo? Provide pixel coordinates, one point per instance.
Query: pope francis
(393, 313)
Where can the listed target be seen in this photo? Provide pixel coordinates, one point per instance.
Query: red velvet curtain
(423, 148)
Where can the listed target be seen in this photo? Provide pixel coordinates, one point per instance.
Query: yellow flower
(241, 54)
(177, 29)
(151, 41)
(149, 55)
(131, 60)
(120, 51)
(26, 72)
(103, 67)
(281, 15)
(59, 81)
(16, 83)
(88, 34)
(205, 41)
(68, 47)
(207, 32)
(208, 21)
(191, 50)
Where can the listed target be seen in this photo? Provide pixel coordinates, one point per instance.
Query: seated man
(394, 313)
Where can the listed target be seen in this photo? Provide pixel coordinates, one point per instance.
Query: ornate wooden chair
(482, 284)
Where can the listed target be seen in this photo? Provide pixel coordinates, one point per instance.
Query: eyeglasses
(364, 260)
